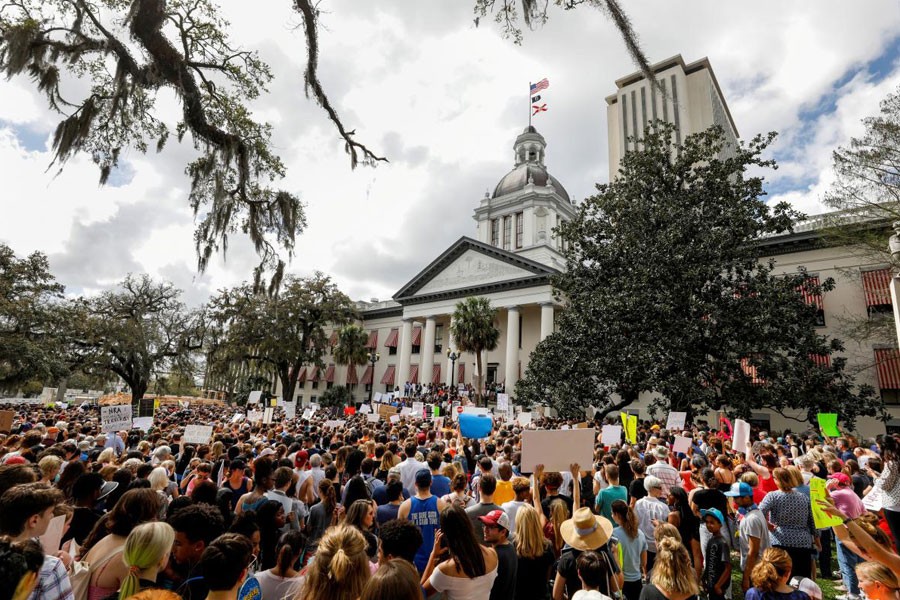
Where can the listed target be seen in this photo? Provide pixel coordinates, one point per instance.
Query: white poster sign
(438, 423)
(676, 421)
(365, 409)
(254, 416)
(373, 417)
(395, 418)
(611, 435)
(741, 441)
(143, 423)
(307, 414)
(335, 423)
(268, 413)
(681, 445)
(376, 397)
(255, 397)
(115, 418)
(405, 411)
(53, 536)
(418, 408)
(197, 434)
(237, 417)
(184, 404)
(557, 449)
(524, 418)
(502, 402)
(290, 410)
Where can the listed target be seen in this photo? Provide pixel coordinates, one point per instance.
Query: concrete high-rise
(688, 96)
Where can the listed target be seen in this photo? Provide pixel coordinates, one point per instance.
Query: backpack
(80, 573)
(370, 484)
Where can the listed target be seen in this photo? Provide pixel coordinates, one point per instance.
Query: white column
(512, 348)
(449, 379)
(405, 343)
(546, 319)
(427, 351)
(895, 296)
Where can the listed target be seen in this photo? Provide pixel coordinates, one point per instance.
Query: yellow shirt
(504, 492)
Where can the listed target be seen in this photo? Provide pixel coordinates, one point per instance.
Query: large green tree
(350, 349)
(475, 330)
(30, 320)
(666, 293)
(138, 331)
(284, 332)
(126, 51)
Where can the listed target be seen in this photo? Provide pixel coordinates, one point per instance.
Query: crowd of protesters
(402, 510)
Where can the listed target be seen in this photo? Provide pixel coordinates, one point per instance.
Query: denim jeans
(847, 562)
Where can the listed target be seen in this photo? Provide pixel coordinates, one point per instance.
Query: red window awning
(750, 371)
(388, 377)
(301, 379)
(822, 360)
(436, 374)
(810, 297)
(314, 374)
(329, 374)
(414, 373)
(352, 375)
(367, 375)
(392, 338)
(417, 336)
(887, 361)
(876, 285)
(461, 373)
(373, 339)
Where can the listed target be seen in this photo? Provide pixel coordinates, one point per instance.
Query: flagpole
(529, 104)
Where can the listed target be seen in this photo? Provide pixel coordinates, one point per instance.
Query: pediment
(470, 264)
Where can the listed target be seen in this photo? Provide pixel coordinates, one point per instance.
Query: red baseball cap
(841, 478)
(496, 517)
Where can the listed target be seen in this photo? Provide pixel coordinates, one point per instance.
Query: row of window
(507, 223)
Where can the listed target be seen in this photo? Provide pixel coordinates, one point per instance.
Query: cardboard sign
(290, 410)
(365, 409)
(143, 423)
(629, 423)
(376, 397)
(741, 441)
(395, 418)
(502, 402)
(6, 420)
(405, 411)
(386, 410)
(268, 413)
(255, 397)
(115, 418)
(818, 492)
(418, 408)
(556, 449)
(254, 416)
(676, 421)
(611, 435)
(524, 418)
(197, 434)
(184, 404)
(237, 417)
(681, 445)
(828, 424)
(373, 417)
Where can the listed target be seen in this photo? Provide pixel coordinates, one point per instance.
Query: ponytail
(773, 565)
(146, 546)
(327, 495)
(290, 545)
(131, 585)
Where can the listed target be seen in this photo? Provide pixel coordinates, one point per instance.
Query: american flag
(543, 84)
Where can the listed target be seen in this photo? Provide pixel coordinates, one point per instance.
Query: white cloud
(444, 101)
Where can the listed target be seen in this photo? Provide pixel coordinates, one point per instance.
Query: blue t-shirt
(755, 594)
(386, 512)
(424, 513)
(631, 553)
(440, 485)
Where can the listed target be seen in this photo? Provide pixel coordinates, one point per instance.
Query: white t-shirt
(274, 587)
(511, 508)
(589, 595)
(463, 588)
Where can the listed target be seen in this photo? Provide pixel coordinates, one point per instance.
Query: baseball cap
(841, 478)
(423, 478)
(420, 437)
(394, 471)
(739, 489)
(496, 517)
(266, 452)
(713, 512)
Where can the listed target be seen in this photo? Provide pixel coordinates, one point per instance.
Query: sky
(443, 100)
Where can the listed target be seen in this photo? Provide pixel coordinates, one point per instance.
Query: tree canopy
(350, 349)
(666, 294)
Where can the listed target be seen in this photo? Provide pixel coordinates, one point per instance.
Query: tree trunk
(138, 389)
(61, 389)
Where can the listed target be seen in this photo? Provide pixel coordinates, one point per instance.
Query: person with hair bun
(395, 579)
(673, 576)
(878, 582)
(771, 576)
(146, 552)
(283, 580)
(340, 568)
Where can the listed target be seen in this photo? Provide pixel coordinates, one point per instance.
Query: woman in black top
(705, 497)
(672, 577)
(683, 518)
(535, 556)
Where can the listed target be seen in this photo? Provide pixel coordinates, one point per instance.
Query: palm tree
(474, 329)
(350, 349)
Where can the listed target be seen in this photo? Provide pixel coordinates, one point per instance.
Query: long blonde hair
(559, 512)
(878, 573)
(146, 546)
(530, 541)
(340, 568)
(672, 571)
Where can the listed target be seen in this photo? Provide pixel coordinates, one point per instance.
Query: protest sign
(475, 426)
(581, 425)
(53, 536)
(184, 404)
(524, 418)
(143, 423)
(334, 423)
(676, 421)
(197, 434)
(556, 449)
(376, 397)
(373, 417)
(395, 418)
(6, 420)
(475, 410)
(307, 414)
(741, 440)
(290, 410)
(828, 424)
(387, 397)
(268, 413)
(681, 445)
(817, 492)
(611, 435)
(629, 424)
(405, 411)
(502, 401)
(436, 411)
(237, 417)
(255, 397)
(438, 423)
(254, 416)
(115, 418)
(349, 411)
(386, 410)
(418, 408)
(365, 409)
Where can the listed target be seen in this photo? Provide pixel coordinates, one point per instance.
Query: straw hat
(585, 530)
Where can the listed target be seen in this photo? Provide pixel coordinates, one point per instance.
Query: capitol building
(513, 253)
